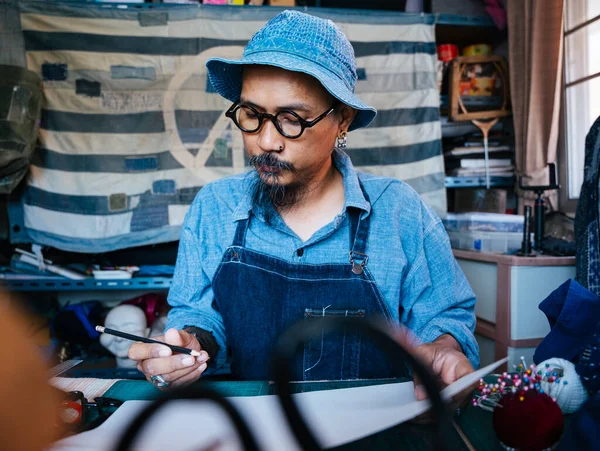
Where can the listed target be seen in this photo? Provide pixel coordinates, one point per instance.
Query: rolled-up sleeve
(437, 298)
(191, 295)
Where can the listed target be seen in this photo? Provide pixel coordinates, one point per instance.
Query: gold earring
(342, 140)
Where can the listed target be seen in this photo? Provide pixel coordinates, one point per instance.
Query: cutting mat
(127, 390)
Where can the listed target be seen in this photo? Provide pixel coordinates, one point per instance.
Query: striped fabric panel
(131, 129)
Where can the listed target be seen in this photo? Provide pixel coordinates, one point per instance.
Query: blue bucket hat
(302, 43)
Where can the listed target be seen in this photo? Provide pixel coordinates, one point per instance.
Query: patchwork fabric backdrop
(131, 130)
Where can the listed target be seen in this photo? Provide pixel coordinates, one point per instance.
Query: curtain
(535, 35)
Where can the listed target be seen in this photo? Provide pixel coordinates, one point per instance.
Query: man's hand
(158, 360)
(445, 358)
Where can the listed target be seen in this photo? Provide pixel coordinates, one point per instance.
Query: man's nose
(269, 139)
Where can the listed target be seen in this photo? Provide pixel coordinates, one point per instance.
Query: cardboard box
(283, 3)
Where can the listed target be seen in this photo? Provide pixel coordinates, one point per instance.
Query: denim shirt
(409, 255)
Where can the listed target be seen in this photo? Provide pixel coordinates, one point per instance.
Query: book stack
(465, 158)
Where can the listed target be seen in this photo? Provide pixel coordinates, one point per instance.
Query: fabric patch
(163, 187)
(148, 217)
(117, 202)
(87, 87)
(55, 71)
(192, 135)
(145, 73)
(132, 101)
(221, 148)
(221, 154)
(153, 18)
(136, 164)
(361, 73)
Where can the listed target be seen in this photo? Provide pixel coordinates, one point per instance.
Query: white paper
(335, 416)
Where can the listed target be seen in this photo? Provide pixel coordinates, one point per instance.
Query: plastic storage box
(501, 242)
(483, 222)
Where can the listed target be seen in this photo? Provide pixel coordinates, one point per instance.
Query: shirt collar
(353, 193)
(354, 196)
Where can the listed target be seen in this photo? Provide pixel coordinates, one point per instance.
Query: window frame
(568, 204)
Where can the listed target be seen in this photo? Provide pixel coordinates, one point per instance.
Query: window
(582, 83)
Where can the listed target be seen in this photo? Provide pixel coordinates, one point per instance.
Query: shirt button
(300, 252)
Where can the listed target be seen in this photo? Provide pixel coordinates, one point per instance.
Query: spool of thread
(561, 382)
(477, 50)
(447, 52)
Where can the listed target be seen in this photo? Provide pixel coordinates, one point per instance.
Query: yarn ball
(528, 421)
(561, 382)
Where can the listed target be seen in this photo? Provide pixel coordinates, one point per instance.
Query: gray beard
(269, 195)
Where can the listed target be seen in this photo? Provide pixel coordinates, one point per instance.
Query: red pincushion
(528, 421)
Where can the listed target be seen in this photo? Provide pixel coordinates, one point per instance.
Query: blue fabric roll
(573, 312)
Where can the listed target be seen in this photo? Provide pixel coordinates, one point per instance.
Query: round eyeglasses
(288, 123)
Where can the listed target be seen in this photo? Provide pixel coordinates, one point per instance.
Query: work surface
(474, 423)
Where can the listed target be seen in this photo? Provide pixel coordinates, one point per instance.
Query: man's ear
(347, 115)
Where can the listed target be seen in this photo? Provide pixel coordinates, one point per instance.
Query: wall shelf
(470, 102)
(91, 284)
(465, 30)
(451, 129)
(478, 182)
(456, 19)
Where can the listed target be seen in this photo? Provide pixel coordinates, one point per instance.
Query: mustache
(268, 159)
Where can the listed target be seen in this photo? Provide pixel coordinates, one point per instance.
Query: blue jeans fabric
(583, 430)
(283, 293)
(587, 223)
(588, 366)
(572, 312)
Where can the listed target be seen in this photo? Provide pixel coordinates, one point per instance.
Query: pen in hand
(117, 333)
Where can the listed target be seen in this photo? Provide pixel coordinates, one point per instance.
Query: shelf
(451, 129)
(456, 19)
(91, 284)
(467, 30)
(482, 102)
(478, 182)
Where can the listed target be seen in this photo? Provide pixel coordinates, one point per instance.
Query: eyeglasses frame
(304, 124)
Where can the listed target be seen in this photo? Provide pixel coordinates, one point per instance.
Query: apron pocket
(334, 355)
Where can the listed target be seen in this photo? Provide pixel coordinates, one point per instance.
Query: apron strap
(239, 239)
(359, 228)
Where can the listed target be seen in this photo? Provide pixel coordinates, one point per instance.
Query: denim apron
(259, 296)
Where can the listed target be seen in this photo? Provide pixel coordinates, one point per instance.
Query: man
(305, 236)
